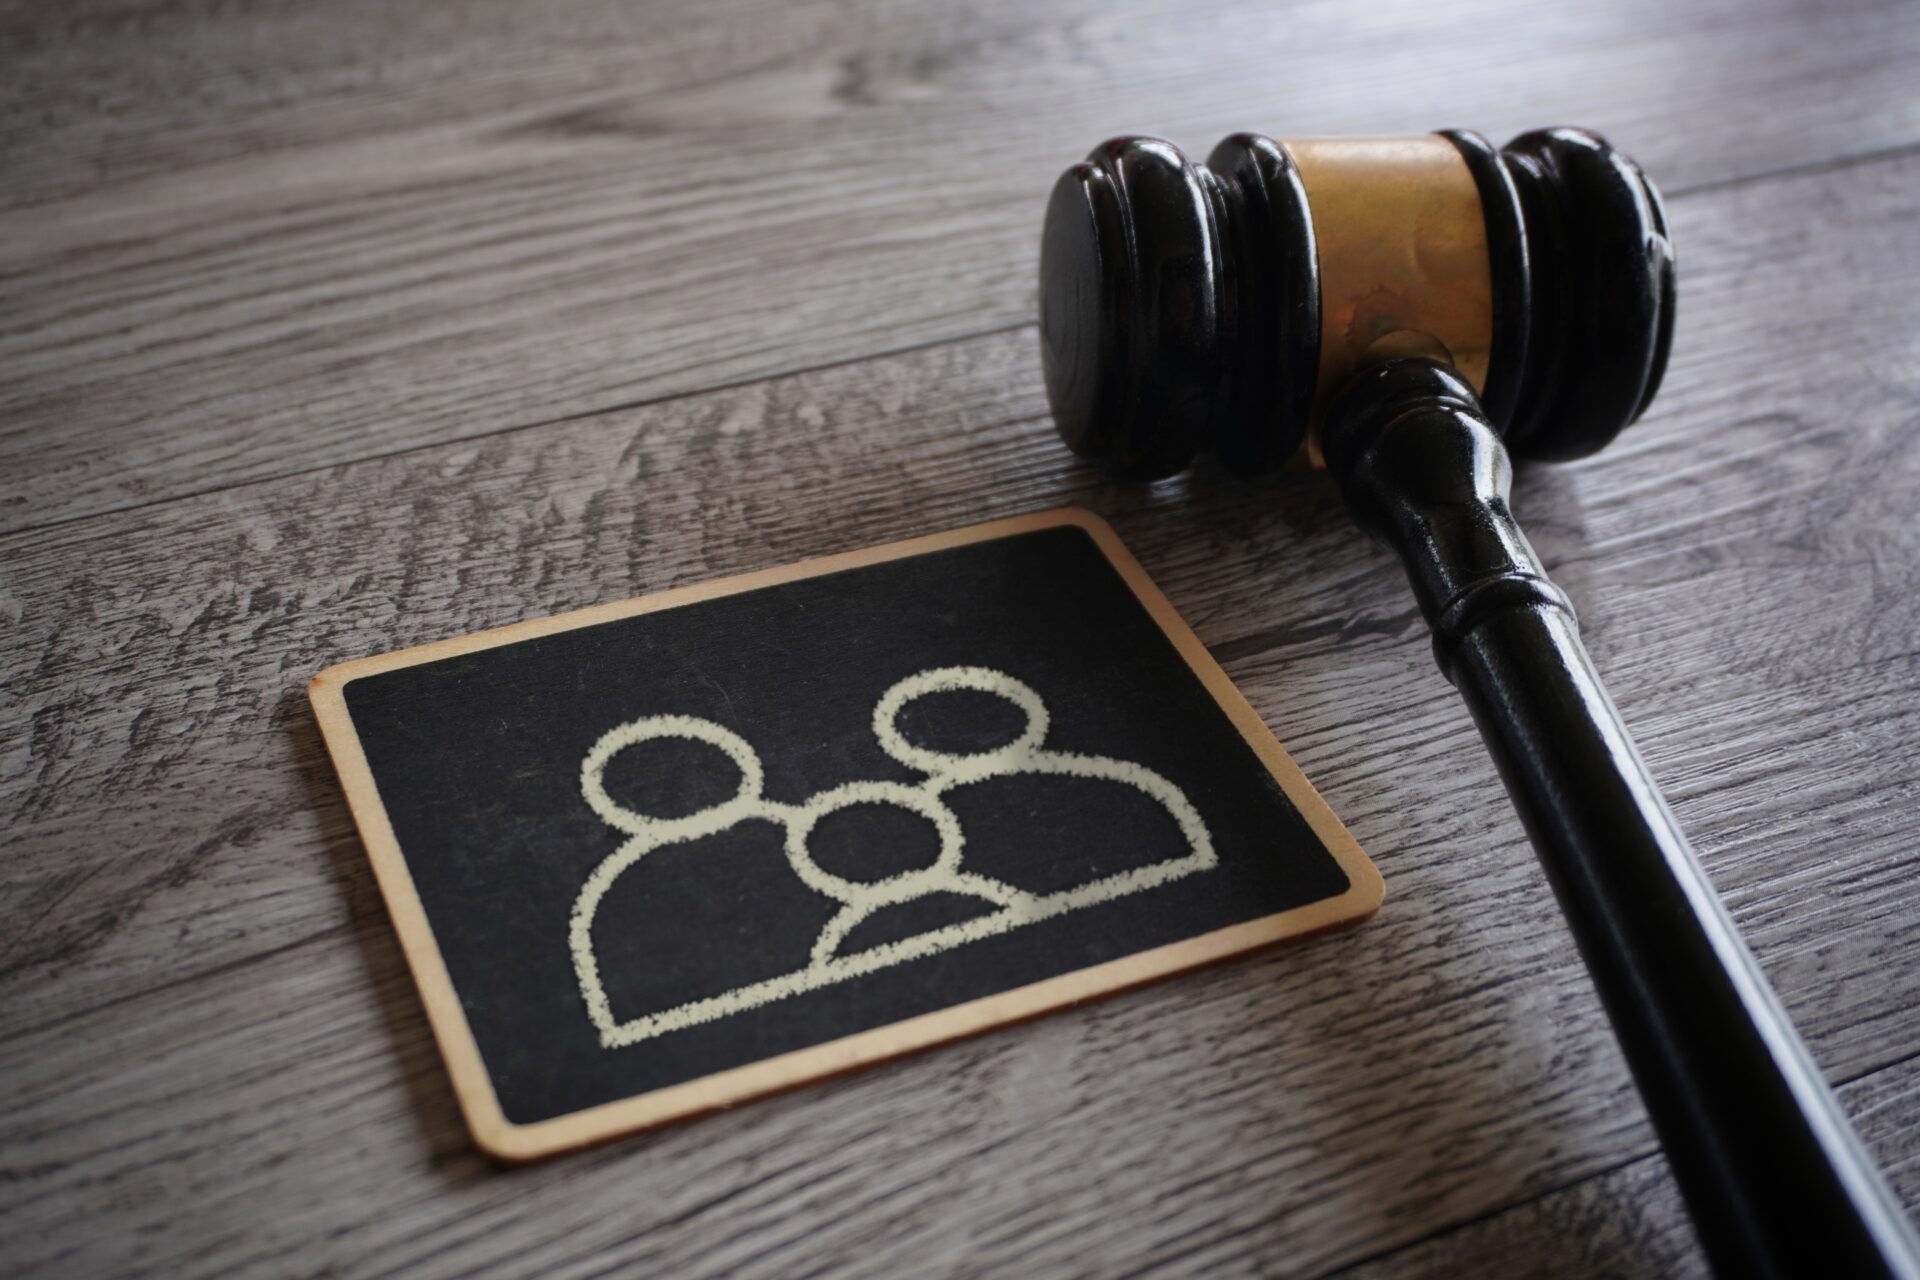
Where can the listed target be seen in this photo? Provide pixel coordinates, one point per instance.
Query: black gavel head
(1186, 308)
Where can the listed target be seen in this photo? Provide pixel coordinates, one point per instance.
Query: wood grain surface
(331, 328)
(260, 237)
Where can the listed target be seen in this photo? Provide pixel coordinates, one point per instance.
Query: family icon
(944, 771)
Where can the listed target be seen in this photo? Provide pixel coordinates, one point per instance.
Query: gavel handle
(1774, 1178)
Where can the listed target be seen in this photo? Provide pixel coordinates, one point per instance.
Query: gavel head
(1187, 307)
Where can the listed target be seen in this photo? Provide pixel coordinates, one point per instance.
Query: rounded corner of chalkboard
(509, 1144)
(1092, 521)
(329, 685)
(1366, 890)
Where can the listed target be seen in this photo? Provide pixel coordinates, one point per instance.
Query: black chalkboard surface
(660, 856)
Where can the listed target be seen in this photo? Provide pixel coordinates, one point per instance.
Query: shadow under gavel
(1412, 313)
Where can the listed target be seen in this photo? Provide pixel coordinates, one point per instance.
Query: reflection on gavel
(1410, 313)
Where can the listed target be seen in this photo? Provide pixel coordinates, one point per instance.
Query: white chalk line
(860, 899)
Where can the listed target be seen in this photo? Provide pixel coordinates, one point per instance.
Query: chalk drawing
(860, 899)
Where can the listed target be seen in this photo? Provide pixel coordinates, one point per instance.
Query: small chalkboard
(657, 857)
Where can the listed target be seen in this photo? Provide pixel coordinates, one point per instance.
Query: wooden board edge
(458, 1048)
(694, 593)
(512, 1143)
(1362, 876)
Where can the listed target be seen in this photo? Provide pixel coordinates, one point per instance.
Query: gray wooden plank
(212, 1061)
(1630, 1221)
(261, 237)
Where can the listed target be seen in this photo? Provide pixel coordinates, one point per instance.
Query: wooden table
(333, 327)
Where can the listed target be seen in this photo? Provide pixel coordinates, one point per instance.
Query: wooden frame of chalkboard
(510, 1141)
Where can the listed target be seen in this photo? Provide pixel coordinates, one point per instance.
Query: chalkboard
(657, 857)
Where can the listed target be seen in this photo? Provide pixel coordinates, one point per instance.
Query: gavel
(1412, 314)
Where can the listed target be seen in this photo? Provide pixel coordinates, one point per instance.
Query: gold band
(1403, 257)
